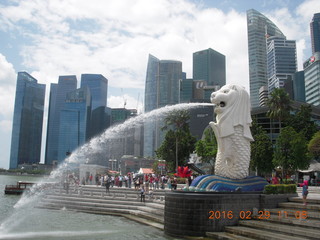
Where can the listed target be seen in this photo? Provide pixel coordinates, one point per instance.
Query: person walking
(142, 194)
(108, 182)
(305, 192)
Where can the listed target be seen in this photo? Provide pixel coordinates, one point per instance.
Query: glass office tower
(162, 88)
(281, 63)
(259, 27)
(312, 79)
(58, 93)
(210, 66)
(74, 121)
(27, 121)
(315, 33)
(98, 86)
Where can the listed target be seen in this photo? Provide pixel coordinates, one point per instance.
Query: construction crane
(124, 99)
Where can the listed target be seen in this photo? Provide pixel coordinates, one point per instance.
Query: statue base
(216, 183)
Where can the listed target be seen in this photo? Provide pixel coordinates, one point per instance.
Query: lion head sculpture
(232, 108)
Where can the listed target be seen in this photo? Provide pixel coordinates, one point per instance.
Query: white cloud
(7, 88)
(125, 100)
(121, 34)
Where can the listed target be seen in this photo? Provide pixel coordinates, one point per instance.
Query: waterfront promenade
(291, 220)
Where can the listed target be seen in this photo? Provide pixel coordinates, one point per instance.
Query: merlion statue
(232, 130)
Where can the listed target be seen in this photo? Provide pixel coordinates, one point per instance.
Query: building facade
(259, 27)
(210, 66)
(315, 33)
(312, 79)
(281, 63)
(58, 93)
(27, 121)
(98, 86)
(163, 81)
(74, 121)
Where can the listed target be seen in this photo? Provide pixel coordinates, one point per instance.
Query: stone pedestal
(195, 213)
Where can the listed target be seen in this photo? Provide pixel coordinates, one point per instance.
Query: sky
(49, 38)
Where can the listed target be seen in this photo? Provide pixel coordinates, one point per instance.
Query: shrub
(280, 188)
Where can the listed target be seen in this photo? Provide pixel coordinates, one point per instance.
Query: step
(90, 199)
(259, 234)
(294, 205)
(89, 204)
(294, 213)
(281, 228)
(309, 200)
(306, 223)
(152, 211)
(226, 236)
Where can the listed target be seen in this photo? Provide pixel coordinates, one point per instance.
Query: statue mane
(235, 112)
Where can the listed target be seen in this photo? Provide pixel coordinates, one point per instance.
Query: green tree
(302, 122)
(291, 151)
(178, 142)
(207, 148)
(261, 151)
(314, 145)
(279, 105)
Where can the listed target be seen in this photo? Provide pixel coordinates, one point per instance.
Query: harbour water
(33, 223)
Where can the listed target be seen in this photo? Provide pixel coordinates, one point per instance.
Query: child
(305, 192)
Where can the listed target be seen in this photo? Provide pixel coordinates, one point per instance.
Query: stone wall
(195, 213)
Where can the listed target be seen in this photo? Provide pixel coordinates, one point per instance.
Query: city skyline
(115, 40)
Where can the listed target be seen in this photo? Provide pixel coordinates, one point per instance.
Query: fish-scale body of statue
(232, 130)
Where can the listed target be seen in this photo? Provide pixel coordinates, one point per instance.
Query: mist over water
(24, 209)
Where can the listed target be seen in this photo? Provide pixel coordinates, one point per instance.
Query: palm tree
(179, 121)
(279, 105)
(279, 108)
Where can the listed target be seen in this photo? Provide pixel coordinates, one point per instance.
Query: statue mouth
(221, 104)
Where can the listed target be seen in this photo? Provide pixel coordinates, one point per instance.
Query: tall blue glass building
(74, 121)
(162, 88)
(98, 86)
(58, 93)
(259, 27)
(27, 121)
(210, 66)
(281, 63)
(315, 33)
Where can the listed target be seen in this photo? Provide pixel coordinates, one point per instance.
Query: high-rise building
(27, 121)
(210, 66)
(312, 79)
(259, 27)
(74, 121)
(98, 86)
(315, 33)
(58, 93)
(162, 88)
(186, 89)
(299, 92)
(281, 63)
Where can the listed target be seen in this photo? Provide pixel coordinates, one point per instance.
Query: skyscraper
(281, 63)
(74, 121)
(259, 27)
(27, 121)
(210, 66)
(312, 79)
(98, 86)
(58, 93)
(162, 88)
(315, 33)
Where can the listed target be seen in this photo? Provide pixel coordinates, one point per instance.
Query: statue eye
(225, 91)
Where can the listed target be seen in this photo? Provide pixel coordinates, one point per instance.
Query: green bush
(280, 188)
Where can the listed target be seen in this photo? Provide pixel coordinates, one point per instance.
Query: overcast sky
(48, 38)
